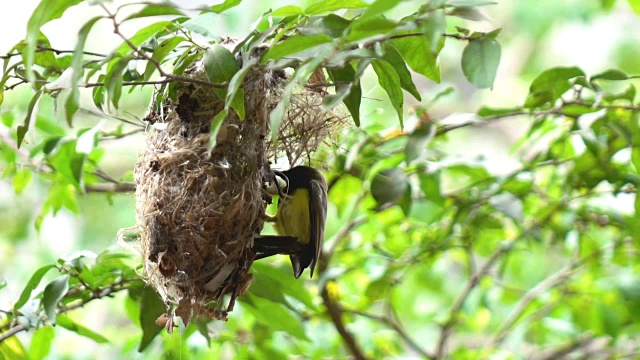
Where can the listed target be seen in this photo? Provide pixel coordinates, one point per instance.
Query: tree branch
(120, 187)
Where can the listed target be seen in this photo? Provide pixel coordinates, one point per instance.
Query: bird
(300, 217)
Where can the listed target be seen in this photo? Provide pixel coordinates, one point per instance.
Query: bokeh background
(592, 34)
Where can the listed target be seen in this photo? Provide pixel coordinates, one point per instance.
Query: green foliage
(425, 247)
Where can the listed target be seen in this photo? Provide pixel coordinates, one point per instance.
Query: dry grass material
(198, 215)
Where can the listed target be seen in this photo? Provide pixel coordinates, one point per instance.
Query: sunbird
(300, 218)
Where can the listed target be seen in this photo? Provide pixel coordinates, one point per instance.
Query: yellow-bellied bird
(301, 216)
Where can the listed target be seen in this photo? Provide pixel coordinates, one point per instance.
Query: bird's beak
(279, 182)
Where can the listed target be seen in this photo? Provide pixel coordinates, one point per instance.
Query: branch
(530, 295)
(106, 292)
(120, 187)
(462, 297)
(398, 328)
(335, 312)
(144, 56)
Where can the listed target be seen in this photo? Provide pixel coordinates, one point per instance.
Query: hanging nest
(198, 215)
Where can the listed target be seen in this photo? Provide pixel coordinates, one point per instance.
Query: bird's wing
(317, 206)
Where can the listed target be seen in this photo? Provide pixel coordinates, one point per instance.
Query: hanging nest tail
(198, 215)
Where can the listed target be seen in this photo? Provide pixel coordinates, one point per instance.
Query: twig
(462, 297)
(335, 312)
(398, 328)
(156, 63)
(530, 295)
(114, 188)
(106, 292)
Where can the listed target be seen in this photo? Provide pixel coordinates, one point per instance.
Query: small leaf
(274, 315)
(301, 76)
(480, 60)
(143, 35)
(224, 6)
(151, 308)
(390, 82)
(635, 5)
(160, 53)
(434, 26)
(22, 129)
(418, 142)
(333, 5)
(288, 10)
(389, 185)
(155, 10)
(71, 105)
(46, 11)
(113, 80)
(611, 74)
(216, 123)
(21, 179)
(406, 201)
(220, 66)
(41, 343)
(294, 45)
(550, 85)
(379, 7)
(33, 282)
(53, 293)
(416, 51)
(468, 12)
(71, 325)
(393, 57)
(350, 94)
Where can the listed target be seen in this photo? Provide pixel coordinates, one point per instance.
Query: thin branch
(111, 188)
(335, 312)
(106, 292)
(156, 63)
(466, 291)
(532, 294)
(398, 328)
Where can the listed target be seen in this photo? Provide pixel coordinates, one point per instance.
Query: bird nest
(198, 214)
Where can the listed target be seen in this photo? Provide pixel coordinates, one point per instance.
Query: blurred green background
(593, 34)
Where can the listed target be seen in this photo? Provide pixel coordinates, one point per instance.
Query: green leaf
(224, 6)
(46, 11)
(301, 76)
(416, 51)
(390, 82)
(550, 85)
(22, 129)
(21, 179)
(393, 57)
(418, 141)
(160, 53)
(288, 10)
(369, 27)
(635, 5)
(379, 7)
(350, 94)
(274, 315)
(143, 35)
(155, 10)
(67, 323)
(389, 185)
(282, 278)
(216, 123)
(220, 66)
(406, 202)
(433, 28)
(294, 45)
(480, 60)
(41, 343)
(71, 105)
(113, 80)
(333, 5)
(33, 282)
(53, 293)
(611, 74)
(151, 308)
(332, 25)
